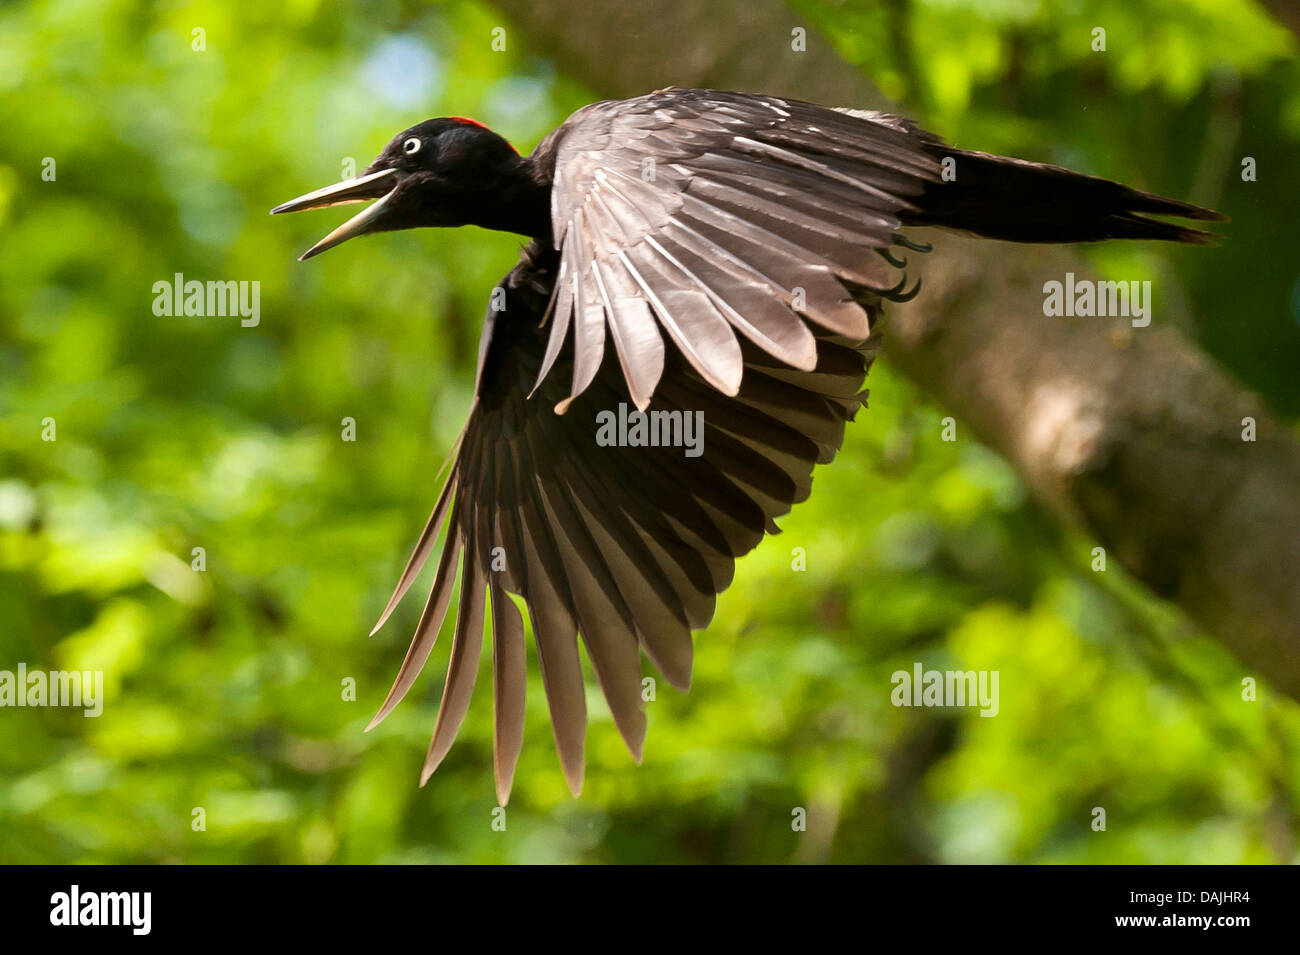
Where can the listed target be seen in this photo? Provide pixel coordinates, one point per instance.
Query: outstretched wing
(626, 546)
(697, 214)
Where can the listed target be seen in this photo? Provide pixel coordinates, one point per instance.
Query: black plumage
(691, 250)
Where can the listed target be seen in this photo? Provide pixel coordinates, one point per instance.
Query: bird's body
(691, 251)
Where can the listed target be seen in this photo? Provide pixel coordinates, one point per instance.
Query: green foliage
(225, 688)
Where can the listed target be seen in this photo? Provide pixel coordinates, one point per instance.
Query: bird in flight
(714, 256)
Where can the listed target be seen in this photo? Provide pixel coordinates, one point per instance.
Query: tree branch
(1133, 434)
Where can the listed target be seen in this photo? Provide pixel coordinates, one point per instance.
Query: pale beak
(376, 185)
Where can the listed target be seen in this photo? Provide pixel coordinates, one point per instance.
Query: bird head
(443, 172)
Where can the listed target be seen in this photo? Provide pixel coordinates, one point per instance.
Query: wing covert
(707, 218)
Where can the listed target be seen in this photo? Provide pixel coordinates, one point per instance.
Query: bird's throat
(521, 203)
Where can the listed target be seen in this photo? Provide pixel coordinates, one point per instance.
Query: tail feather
(1021, 201)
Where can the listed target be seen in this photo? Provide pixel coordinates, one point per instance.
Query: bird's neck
(519, 202)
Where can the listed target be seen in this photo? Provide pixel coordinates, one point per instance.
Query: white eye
(411, 146)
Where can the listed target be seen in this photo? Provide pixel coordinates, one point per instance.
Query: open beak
(376, 185)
